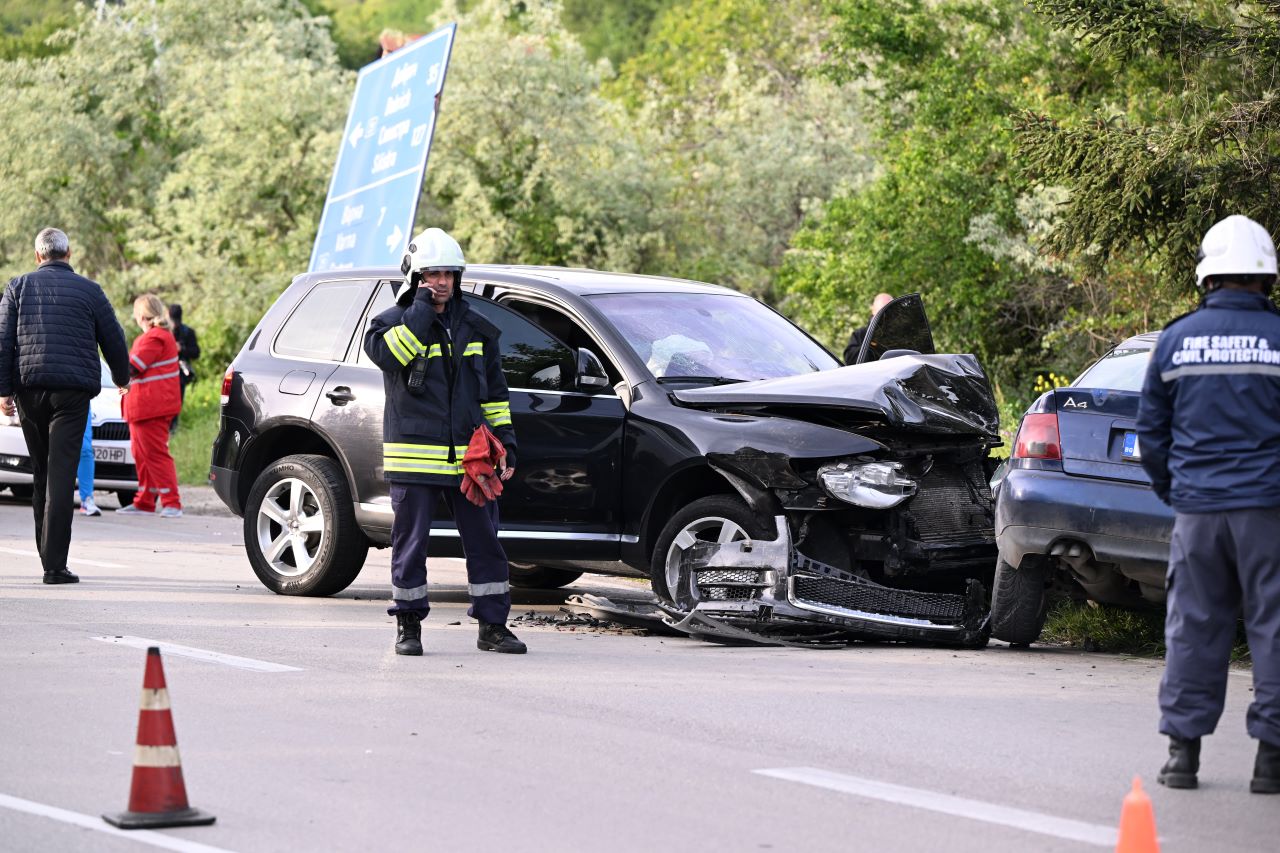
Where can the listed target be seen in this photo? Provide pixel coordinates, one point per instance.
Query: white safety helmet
(433, 249)
(1235, 246)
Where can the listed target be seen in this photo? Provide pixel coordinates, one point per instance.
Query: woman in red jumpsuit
(150, 402)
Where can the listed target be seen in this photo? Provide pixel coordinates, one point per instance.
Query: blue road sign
(373, 195)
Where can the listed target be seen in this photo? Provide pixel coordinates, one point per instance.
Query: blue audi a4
(1073, 504)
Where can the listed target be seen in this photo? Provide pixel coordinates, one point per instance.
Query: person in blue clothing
(86, 470)
(1209, 432)
(442, 373)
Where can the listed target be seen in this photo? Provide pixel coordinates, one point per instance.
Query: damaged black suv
(669, 429)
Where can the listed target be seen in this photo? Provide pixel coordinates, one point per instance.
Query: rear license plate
(1131, 449)
(109, 454)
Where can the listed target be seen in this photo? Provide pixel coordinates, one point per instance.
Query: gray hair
(52, 244)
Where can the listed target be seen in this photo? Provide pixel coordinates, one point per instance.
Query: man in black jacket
(188, 351)
(442, 372)
(52, 322)
(855, 340)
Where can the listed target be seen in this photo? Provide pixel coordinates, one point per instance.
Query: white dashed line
(1043, 824)
(76, 560)
(200, 654)
(97, 824)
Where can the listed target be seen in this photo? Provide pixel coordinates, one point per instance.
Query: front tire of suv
(1020, 601)
(529, 576)
(300, 528)
(718, 518)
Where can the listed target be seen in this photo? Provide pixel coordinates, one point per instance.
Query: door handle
(340, 396)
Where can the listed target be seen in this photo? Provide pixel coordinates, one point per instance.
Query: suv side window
(531, 358)
(564, 328)
(320, 327)
(381, 302)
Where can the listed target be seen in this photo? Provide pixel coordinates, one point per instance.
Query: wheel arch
(691, 484)
(277, 442)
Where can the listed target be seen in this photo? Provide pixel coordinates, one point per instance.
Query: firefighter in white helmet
(442, 371)
(1209, 430)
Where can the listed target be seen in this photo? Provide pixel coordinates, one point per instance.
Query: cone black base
(159, 820)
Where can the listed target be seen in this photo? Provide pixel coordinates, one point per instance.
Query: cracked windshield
(710, 337)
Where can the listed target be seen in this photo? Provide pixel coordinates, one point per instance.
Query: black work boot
(61, 576)
(1184, 761)
(408, 633)
(494, 637)
(1266, 769)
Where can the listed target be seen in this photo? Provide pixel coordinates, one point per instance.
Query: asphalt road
(301, 729)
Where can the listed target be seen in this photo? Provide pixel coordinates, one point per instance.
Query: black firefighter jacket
(425, 431)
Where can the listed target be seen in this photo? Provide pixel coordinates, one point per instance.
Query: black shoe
(496, 638)
(61, 576)
(1266, 770)
(408, 634)
(1184, 762)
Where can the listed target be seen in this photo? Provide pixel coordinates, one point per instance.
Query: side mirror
(591, 373)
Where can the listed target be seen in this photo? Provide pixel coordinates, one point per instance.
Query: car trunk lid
(1097, 431)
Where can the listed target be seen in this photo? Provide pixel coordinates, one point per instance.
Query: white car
(114, 470)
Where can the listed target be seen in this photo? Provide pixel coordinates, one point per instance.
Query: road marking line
(97, 824)
(1072, 830)
(36, 554)
(200, 654)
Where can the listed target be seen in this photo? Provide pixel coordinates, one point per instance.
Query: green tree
(948, 77)
(185, 148)
(1146, 181)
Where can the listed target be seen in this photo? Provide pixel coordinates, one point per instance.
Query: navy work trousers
(1219, 562)
(488, 581)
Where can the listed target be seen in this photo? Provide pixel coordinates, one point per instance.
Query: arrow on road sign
(356, 135)
(394, 240)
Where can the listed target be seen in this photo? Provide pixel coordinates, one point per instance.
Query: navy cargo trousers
(488, 581)
(1220, 562)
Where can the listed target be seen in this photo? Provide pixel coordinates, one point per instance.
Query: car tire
(529, 576)
(1020, 601)
(300, 528)
(718, 518)
(125, 496)
(22, 492)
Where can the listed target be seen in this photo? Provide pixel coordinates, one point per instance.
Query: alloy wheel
(291, 527)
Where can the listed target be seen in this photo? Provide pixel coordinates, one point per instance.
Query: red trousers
(157, 476)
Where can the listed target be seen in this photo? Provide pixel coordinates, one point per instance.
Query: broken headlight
(878, 485)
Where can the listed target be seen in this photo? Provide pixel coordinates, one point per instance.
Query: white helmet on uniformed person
(433, 249)
(1235, 246)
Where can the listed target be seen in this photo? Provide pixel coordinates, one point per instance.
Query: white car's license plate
(110, 454)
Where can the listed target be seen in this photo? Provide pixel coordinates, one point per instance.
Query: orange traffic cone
(1137, 823)
(158, 797)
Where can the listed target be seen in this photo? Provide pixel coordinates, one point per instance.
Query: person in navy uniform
(442, 371)
(1209, 435)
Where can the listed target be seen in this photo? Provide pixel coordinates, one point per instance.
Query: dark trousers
(488, 580)
(53, 425)
(1220, 562)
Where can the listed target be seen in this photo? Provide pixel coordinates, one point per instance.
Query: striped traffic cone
(158, 797)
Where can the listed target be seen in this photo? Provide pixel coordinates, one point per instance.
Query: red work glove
(479, 479)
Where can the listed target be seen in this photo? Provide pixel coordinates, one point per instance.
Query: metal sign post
(373, 195)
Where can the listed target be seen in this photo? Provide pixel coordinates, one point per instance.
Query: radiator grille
(953, 502)
(728, 576)
(111, 431)
(873, 598)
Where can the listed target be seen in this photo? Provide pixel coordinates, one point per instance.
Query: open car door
(900, 325)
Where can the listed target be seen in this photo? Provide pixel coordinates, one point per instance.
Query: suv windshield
(1118, 370)
(712, 336)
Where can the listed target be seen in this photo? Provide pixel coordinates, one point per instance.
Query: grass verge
(1108, 629)
(192, 443)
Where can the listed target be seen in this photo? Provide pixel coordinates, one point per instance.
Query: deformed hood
(938, 393)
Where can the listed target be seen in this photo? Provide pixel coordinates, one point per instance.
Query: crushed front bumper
(766, 591)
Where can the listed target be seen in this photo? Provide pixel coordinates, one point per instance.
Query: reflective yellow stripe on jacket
(497, 414)
(404, 345)
(422, 458)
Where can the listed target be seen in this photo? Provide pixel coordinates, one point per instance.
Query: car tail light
(1038, 438)
(226, 385)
